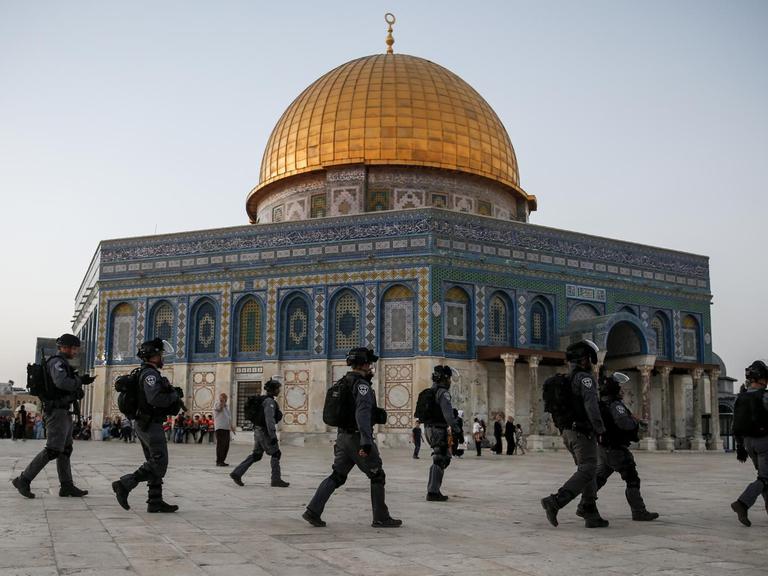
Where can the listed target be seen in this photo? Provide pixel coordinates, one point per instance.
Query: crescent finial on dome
(389, 18)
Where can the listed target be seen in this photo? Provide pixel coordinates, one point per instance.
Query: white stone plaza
(493, 523)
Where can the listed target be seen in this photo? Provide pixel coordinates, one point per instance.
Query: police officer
(265, 438)
(57, 412)
(436, 425)
(581, 438)
(750, 427)
(613, 455)
(157, 400)
(355, 445)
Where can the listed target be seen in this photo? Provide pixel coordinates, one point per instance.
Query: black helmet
(611, 386)
(68, 340)
(441, 373)
(150, 348)
(272, 386)
(359, 356)
(757, 371)
(580, 350)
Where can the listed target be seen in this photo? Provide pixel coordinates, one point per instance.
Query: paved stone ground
(493, 523)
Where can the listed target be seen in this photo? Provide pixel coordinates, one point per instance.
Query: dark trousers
(510, 445)
(610, 460)
(416, 446)
(583, 448)
(497, 446)
(155, 448)
(478, 446)
(437, 437)
(58, 447)
(222, 446)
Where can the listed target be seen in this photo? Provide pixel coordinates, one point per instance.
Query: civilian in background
(222, 420)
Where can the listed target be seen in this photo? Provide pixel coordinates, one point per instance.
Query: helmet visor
(620, 377)
(455, 376)
(168, 349)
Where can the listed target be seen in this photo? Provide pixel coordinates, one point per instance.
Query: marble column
(648, 432)
(715, 442)
(509, 383)
(667, 417)
(535, 438)
(697, 441)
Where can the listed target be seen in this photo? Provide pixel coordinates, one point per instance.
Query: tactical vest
(749, 415)
(614, 436)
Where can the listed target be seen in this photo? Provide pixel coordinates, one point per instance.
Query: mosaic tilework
(226, 306)
(295, 396)
(377, 200)
(319, 206)
(203, 392)
(345, 201)
(181, 329)
(522, 319)
(141, 317)
(162, 322)
(398, 394)
(250, 326)
(405, 198)
(319, 321)
(271, 316)
(480, 313)
(370, 315)
(296, 209)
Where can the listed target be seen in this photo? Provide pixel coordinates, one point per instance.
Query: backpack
(749, 415)
(129, 393)
(39, 380)
(560, 401)
(254, 411)
(339, 407)
(427, 408)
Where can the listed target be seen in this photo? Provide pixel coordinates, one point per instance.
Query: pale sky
(644, 121)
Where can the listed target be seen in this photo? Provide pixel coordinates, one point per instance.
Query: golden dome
(391, 109)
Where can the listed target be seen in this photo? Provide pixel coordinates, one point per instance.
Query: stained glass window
(498, 323)
(539, 324)
(690, 338)
(250, 327)
(318, 206)
(205, 329)
(296, 329)
(398, 318)
(456, 303)
(659, 327)
(123, 333)
(162, 321)
(346, 322)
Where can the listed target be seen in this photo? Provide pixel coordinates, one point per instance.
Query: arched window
(498, 320)
(659, 327)
(249, 327)
(540, 328)
(582, 312)
(346, 322)
(456, 321)
(123, 333)
(162, 321)
(397, 319)
(689, 333)
(295, 326)
(205, 329)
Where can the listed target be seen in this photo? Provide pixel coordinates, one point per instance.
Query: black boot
(121, 493)
(741, 511)
(644, 515)
(161, 507)
(592, 519)
(436, 497)
(280, 483)
(236, 479)
(551, 508)
(387, 523)
(22, 485)
(313, 518)
(71, 490)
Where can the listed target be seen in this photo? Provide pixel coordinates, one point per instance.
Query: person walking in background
(178, 428)
(509, 435)
(222, 420)
(497, 434)
(416, 438)
(39, 430)
(125, 430)
(477, 436)
(211, 429)
(521, 440)
(23, 420)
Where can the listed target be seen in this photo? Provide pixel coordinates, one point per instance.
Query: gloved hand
(741, 453)
(179, 392)
(365, 449)
(78, 394)
(87, 379)
(273, 441)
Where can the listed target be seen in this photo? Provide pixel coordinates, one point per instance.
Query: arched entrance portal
(625, 339)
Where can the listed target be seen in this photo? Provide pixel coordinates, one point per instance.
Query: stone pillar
(535, 438)
(648, 439)
(697, 441)
(667, 417)
(715, 443)
(509, 383)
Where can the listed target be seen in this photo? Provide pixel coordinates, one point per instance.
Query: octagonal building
(389, 214)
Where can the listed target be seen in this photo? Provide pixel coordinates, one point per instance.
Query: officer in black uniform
(157, 400)
(57, 412)
(355, 445)
(613, 455)
(265, 438)
(750, 427)
(581, 438)
(436, 425)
